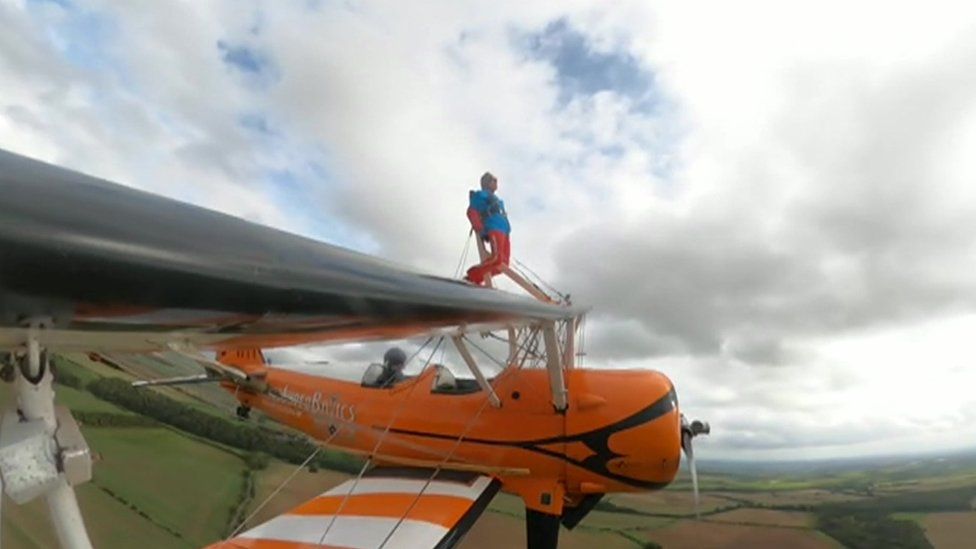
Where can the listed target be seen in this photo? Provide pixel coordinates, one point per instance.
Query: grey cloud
(609, 339)
(687, 281)
(866, 242)
(835, 218)
(760, 349)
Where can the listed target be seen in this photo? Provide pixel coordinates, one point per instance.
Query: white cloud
(795, 203)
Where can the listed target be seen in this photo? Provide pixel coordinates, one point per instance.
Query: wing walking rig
(88, 265)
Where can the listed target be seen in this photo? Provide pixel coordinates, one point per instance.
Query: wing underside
(385, 508)
(112, 268)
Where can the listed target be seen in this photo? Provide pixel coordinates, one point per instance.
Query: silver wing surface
(102, 266)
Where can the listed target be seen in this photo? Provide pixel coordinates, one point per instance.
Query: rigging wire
(532, 346)
(437, 470)
(443, 353)
(421, 348)
(464, 254)
(379, 441)
(524, 349)
(281, 486)
(493, 359)
(519, 346)
(539, 279)
(311, 456)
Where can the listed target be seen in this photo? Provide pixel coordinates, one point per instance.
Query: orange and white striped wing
(388, 507)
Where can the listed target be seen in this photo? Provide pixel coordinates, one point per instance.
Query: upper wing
(117, 268)
(386, 508)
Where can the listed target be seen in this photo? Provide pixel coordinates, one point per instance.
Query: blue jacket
(492, 211)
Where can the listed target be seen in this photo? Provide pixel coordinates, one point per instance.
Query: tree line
(287, 447)
(868, 524)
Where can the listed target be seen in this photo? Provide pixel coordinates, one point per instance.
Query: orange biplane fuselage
(620, 433)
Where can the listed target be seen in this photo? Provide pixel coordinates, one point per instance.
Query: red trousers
(496, 260)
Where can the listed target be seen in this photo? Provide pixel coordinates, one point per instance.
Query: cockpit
(444, 381)
(377, 376)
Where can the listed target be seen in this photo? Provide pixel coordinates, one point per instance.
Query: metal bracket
(28, 458)
(74, 455)
(31, 460)
(42, 451)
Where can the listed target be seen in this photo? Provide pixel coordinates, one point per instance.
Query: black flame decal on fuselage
(597, 440)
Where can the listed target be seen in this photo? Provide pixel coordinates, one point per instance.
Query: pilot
(393, 362)
(486, 212)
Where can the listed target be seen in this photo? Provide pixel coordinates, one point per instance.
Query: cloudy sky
(773, 204)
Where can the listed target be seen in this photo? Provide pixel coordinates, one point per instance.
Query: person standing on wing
(488, 219)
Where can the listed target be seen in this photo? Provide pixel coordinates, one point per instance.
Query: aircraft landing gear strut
(243, 412)
(542, 530)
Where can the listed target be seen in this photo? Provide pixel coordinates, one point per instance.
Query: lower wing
(387, 507)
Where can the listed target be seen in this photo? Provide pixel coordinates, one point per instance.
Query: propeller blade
(689, 449)
(688, 432)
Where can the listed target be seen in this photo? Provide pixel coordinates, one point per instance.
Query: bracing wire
(532, 348)
(493, 359)
(280, 487)
(437, 470)
(396, 414)
(464, 254)
(519, 346)
(534, 275)
(421, 348)
(443, 354)
(498, 337)
(539, 279)
(294, 472)
(526, 347)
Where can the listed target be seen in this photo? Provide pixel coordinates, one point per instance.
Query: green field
(185, 486)
(166, 488)
(495, 530)
(110, 524)
(304, 485)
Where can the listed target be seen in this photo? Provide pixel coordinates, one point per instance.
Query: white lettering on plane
(314, 403)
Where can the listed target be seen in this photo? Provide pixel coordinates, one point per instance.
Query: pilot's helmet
(394, 356)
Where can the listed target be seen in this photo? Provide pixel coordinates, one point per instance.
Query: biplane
(87, 265)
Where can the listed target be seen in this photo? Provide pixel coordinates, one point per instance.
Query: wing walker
(90, 266)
